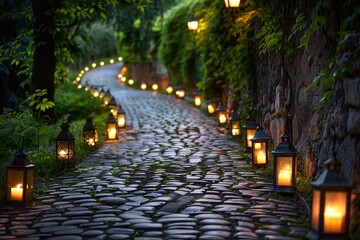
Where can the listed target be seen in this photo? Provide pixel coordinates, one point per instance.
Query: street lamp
(65, 146)
(111, 127)
(90, 133)
(232, 3)
(260, 147)
(285, 166)
(330, 212)
(249, 132)
(19, 180)
(234, 121)
(221, 114)
(193, 23)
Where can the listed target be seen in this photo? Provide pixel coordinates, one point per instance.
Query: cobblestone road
(172, 175)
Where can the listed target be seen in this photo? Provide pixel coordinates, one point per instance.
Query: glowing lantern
(131, 82)
(121, 118)
(232, 3)
(285, 166)
(249, 132)
(197, 99)
(180, 92)
(155, 87)
(211, 107)
(93, 65)
(193, 23)
(234, 121)
(169, 89)
(111, 127)
(143, 86)
(221, 114)
(65, 147)
(113, 106)
(102, 63)
(90, 133)
(260, 147)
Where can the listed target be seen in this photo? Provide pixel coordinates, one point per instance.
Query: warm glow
(249, 136)
(93, 65)
(235, 132)
(123, 79)
(284, 176)
(79, 86)
(143, 86)
(193, 25)
(86, 69)
(111, 61)
(155, 87)
(232, 3)
(333, 220)
(169, 89)
(96, 93)
(211, 108)
(121, 122)
(90, 142)
(180, 93)
(197, 101)
(261, 158)
(63, 153)
(78, 79)
(120, 59)
(257, 145)
(17, 193)
(222, 118)
(82, 72)
(120, 75)
(86, 89)
(112, 133)
(131, 82)
(102, 63)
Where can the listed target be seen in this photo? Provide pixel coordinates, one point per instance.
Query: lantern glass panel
(235, 128)
(211, 108)
(111, 131)
(181, 93)
(114, 112)
(65, 149)
(284, 171)
(15, 181)
(121, 120)
(250, 133)
(334, 212)
(197, 101)
(29, 184)
(169, 89)
(91, 137)
(222, 117)
(259, 152)
(315, 209)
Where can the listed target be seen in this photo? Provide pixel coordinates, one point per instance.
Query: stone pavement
(172, 175)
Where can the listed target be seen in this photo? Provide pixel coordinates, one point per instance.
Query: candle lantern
(260, 146)
(232, 3)
(193, 23)
(285, 166)
(234, 121)
(169, 89)
(221, 114)
(249, 132)
(111, 127)
(330, 210)
(121, 118)
(19, 181)
(211, 107)
(143, 86)
(197, 99)
(113, 106)
(107, 97)
(155, 87)
(90, 132)
(65, 146)
(180, 93)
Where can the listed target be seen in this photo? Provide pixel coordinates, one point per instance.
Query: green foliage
(41, 103)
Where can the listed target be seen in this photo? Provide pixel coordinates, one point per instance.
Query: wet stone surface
(172, 175)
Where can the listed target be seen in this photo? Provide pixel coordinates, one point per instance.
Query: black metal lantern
(107, 97)
(234, 121)
(249, 132)
(211, 107)
(180, 92)
(121, 118)
(65, 146)
(221, 114)
(232, 3)
(90, 132)
(330, 212)
(193, 23)
(113, 106)
(197, 99)
(285, 166)
(260, 147)
(111, 127)
(19, 181)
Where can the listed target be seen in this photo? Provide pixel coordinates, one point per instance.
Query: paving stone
(148, 226)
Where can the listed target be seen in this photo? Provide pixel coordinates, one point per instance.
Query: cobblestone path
(172, 175)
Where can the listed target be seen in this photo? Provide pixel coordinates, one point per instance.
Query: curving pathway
(172, 175)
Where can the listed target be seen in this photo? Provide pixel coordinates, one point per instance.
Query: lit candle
(235, 131)
(211, 109)
(121, 122)
(197, 101)
(284, 177)
(91, 142)
(261, 157)
(333, 220)
(112, 133)
(63, 153)
(248, 140)
(222, 118)
(17, 193)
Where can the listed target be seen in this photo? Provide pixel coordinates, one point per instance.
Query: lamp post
(221, 114)
(65, 146)
(260, 147)
(19, 180)
(330, 212)
(249, 132)
(197, 99)
(111, 127)
(193, 23)
(232, 3)
(90, 133)
(121, 118)
(234, 121)
(285, 166)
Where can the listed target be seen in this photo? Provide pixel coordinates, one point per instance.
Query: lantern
(90, 133)
(111, 127)
(143, 86)
(330, 210)
(249, 132)
(131, 82)
(197, 99)
(234, 121)
(180, 93)
(155, 87)
(169, 89)
(113, 106)
(260, 146)
(221, 114)
(211, 107)
(19, 181)
(107, 97)
(232, 3)
(121, 118)
(193, 23)
(285, 166)
(65, 146)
